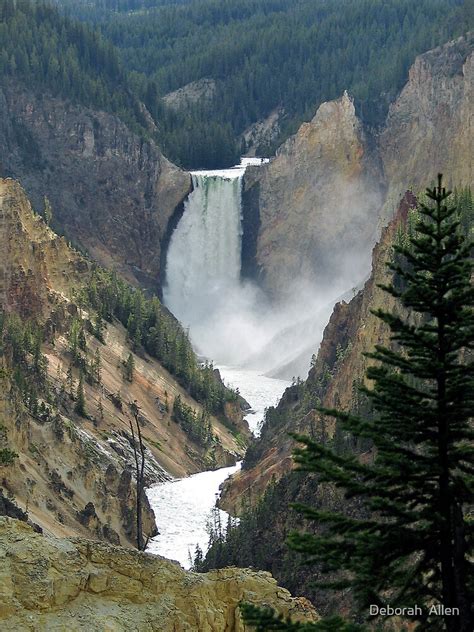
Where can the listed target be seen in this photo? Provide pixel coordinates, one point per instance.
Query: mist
(232, 322)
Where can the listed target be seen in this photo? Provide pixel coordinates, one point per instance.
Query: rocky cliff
(428, 130)
(112, 192)
(317, 201)
(318, 206)
(201, 92)
(73, 472)
(75, 584)
(332, 380)
(430, 127)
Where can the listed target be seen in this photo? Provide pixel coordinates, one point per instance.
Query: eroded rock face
(74, 474)
(352, 331)
(317, 201)
(112, 192)
(200, 92)
(318, 206)
(75, 584)
(430, 127)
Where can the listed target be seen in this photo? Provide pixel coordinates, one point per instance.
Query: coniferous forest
(261, 54)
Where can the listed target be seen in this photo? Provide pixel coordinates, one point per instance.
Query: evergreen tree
(100, 409)
(129, 367)
(80, 406)
(413, 544)
(96, 367)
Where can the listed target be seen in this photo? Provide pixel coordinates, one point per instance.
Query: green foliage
(7, 457)
(366, 540)
(464, 204)
(264, 54)
(421, 483)
(129, 367)
(80, 405)
(243, 542)
(20, 343)
(196, 425)
(77, 340)
(152, 328)
(52, 52)
(265, 619)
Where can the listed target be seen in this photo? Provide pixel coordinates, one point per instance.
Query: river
(231, 321)
(183, 507)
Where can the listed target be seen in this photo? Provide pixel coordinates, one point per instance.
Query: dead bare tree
(139, 455)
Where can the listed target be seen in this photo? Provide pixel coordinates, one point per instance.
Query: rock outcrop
(112, 192)
(201, 92)
(317, 202)
(75, 584)
(263, 134)
(430, 127)
(429, 130)
(267, 476)
(317, 208)
(332, 380)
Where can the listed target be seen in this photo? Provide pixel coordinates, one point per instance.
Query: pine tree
(96, 367)
(414, 543)
(80, 406)
(69, 381)
(100, 409)
(129, 368)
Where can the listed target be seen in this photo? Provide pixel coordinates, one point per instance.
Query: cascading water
(232, 323)
(204, 252)
(203, 286)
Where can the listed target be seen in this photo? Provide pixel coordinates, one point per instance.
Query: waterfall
(204, 251)
(203, 286)
(231, 321)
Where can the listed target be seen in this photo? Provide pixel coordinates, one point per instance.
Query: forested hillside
(265, 54)
(50, 52)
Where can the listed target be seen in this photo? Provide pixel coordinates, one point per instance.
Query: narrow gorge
(172, 326)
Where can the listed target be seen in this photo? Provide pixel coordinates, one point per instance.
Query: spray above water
(231, 321)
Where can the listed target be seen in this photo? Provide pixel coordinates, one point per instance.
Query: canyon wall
(428, 130)
(319, 204)
(332, 381)
(430, 127)
(73, 473)
(112, 191)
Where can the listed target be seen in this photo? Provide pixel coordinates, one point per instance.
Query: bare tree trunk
(139, 469)
(140, 477)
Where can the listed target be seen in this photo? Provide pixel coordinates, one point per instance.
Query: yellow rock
(51, 584)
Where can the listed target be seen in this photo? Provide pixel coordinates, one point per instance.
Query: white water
(231, 321)
(183, 507)
(260, 392)
(203, 287)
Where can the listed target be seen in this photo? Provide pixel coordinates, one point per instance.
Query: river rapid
(183, 507)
